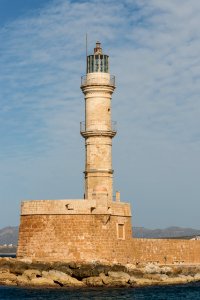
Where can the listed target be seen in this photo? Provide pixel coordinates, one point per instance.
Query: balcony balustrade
(98, 128)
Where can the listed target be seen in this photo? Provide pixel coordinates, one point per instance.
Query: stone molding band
(109, 133)
(110, 171)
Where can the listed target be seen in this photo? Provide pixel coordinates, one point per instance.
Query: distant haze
(9, 235)
(154, 51)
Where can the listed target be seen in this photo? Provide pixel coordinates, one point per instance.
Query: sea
(175, 292)
(8, 255)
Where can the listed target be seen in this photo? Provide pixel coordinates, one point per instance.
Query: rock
(4, 270)
(85, 270)
(130, 267)
(197, 276)
(18, 267)
(190, 270)
(62, 267)
(115, 280)
(102, 275)
(74, 265)
(155, 277)
(144, 282)
(109, 281)
(119, 275)
(26, 260)
(42, 282)
(93, 281)
(152, 269)
(164, 277)
(34, 281)
(91, 270)
(166, 270)
(186, 278)
(62, 278)
(7, 278)
(8, 282)
(5, 264)
(30, 274)
(139, 273)
(52, 274)
(132, 281)
(177, 280)
(23, 281)
(42, 266)
(177, 270)
(117, 268)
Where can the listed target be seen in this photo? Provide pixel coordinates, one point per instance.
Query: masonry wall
(97, 230)
(167, 251)
(75, 238)
(88, 238)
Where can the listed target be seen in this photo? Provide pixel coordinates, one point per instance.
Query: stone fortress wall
(166, 251)
(75, 230)
(86, 231)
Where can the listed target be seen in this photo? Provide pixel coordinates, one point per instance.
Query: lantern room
(98, 62)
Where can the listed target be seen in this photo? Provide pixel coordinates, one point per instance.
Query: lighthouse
(98, 129)
(96, 228)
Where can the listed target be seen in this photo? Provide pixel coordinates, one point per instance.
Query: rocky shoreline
(14, 272)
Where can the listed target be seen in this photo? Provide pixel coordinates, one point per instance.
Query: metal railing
(97, 80)
(98, 126)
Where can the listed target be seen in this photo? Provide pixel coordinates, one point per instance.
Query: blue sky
(154, 51)
(12, 10)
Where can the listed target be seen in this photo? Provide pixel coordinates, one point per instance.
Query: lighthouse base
(75, 230)
(90, 231)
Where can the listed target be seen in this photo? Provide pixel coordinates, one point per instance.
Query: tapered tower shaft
(98, 129)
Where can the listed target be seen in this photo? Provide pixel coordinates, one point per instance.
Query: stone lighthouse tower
(96, 228)
(98, 129)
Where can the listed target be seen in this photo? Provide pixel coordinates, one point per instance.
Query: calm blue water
(8, 255)
(185, 292)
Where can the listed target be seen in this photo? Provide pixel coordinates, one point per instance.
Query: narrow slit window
(120, 231)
